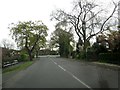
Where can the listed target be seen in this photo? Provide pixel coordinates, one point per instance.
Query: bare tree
(7, 44)
(86, 19)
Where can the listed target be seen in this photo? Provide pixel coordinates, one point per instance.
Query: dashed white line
(62, 68)
(81, 82)
(73, 76)
(55, 63)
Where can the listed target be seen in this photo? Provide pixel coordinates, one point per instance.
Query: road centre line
(79, 80)
(62, 68)
(82, 82)
(55, 63)
(74, 76)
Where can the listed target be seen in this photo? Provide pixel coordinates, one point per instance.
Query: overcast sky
(12, 11)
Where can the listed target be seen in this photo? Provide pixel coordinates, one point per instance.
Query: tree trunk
(84, 38)
(30, 55)
(37, 54)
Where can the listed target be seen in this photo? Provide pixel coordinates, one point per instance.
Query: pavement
(107, 65)
(54, 72)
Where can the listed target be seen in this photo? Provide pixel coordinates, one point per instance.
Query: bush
(81, 55)
(91, 55)
(99, 48)
(110, 57)
(73, 54)
(23, 57)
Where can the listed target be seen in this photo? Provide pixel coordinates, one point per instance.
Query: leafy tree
(28, 34)
(113, 39)
(40, 44)
(62, 39)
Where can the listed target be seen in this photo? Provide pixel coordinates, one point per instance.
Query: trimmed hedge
(110, 57)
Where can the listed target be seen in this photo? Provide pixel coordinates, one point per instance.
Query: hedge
(91, 56)
(110, 57)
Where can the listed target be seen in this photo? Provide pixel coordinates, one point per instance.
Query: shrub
(23, 57)
(73, 54)
(91, 55)
(99, 48)
(81, 55)
(110, 57)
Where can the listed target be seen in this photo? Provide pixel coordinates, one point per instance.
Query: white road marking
(74, 76)
(55, 63)
(81, 82)
(62, 68)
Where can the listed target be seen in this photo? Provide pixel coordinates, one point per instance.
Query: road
(52, 72)
(0, 78)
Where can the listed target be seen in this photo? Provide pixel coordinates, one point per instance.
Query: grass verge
(18, 68)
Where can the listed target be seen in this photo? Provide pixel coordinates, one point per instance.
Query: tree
(28, 34)
(62, 39)
(40, 44)
(113, 39)
(108, 42)
(86, 19)
(7, 44)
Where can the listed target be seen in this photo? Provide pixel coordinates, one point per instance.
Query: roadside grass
(17, 68)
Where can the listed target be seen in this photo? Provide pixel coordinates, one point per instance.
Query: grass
(17, 68)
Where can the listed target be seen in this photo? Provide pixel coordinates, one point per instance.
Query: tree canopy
(86, 19)
(28, 34)
(62, 39)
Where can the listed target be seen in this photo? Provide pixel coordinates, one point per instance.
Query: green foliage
(23, 57)
(29, 34)
(111, 39)
(114, 40)
(81, 55)
(99, 48)
(17, 68)
(110, 57)
(62, 39)
(91, 54)
(83, 20)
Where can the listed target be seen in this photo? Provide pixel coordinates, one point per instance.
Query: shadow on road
(103, 83)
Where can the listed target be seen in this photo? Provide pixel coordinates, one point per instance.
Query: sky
(12, 11)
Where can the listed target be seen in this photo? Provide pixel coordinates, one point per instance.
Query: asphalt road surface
(52, 72)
